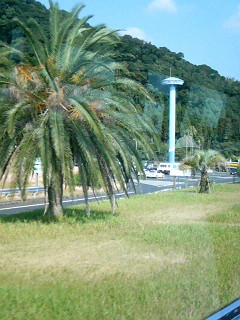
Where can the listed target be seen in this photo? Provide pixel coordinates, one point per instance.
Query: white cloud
(233, 22)
(162, 5)
(136, 33)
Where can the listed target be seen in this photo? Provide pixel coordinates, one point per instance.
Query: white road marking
(156, 183)
(65, 201)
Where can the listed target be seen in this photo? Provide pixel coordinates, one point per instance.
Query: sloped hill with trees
(207, 101)
(22, 9)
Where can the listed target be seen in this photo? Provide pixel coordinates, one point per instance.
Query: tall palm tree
(203, 161)
(69, 106)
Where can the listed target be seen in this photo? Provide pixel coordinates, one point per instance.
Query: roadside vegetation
(203, 161)
(167, 256)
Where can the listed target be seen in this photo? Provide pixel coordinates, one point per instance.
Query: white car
(151, 173)
(159, 174)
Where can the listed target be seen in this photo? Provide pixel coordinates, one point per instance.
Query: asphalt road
(148, 186)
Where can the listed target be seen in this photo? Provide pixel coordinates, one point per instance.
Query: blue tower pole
(172, 123)
(172, 82)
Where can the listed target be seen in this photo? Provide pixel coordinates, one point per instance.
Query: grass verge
(167, 256)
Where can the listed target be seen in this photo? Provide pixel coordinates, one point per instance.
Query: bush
(238, 172)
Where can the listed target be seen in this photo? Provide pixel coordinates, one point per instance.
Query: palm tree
(68, 106)
(203, 161)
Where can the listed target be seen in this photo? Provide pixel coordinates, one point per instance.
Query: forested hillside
(23, 9)
(208, 106)
(207, 101)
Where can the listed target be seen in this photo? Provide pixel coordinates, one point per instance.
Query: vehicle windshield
(134, 102)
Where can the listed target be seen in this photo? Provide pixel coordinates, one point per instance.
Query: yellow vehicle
(232, 166)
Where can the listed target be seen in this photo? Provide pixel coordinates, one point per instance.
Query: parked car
(159, 174)
(233, 171)
(151, 173)
(141, 174)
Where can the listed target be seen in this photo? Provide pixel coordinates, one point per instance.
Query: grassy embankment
(167, 256)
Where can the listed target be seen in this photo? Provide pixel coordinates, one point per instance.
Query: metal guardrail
(34, 190)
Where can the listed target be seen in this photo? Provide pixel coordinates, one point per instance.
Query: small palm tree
(68, 105)
(203, 161)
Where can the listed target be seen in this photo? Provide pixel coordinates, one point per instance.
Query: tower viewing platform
(173, 81)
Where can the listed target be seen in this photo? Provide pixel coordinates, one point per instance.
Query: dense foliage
(22, 9)
(207, 100)
(67, 105)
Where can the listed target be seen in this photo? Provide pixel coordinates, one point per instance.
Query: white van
(173, 169)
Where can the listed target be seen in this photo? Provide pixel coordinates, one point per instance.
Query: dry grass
(174, 254)
(87, 258)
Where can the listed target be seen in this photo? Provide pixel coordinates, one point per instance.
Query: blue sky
(206, 31)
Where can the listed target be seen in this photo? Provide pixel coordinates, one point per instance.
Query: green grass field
(168, 256)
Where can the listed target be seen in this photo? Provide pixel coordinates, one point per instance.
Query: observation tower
(172, 82)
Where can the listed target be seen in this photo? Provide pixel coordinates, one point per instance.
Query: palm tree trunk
(55, 197)
(85, 188)
(111, 194)
(85, 192)
(113, 203)
(204, 182)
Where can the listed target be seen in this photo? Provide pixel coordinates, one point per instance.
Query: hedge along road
(148, 186)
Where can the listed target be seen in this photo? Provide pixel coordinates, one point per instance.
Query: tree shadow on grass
(72, 215)
(189, 190)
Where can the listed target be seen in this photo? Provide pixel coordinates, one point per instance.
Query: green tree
(238, 172)
(69, 106)
(203, 161)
